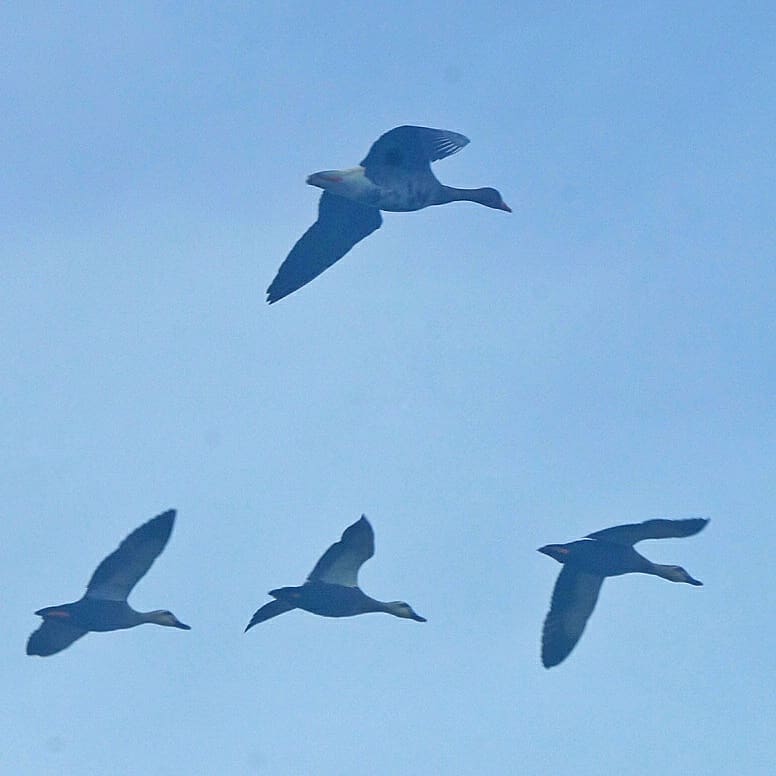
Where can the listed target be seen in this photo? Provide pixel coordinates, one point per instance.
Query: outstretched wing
(341, 224)
(409, 149)
(650, 529)
(339, 565)
(120, 571)
(573, 601)
(53, 636)
(272, 609)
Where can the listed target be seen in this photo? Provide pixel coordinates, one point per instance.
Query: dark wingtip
(274, 297)
(38, 647)
(550, 661)
(274, 294)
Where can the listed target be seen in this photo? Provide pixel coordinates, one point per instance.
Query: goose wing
(406, 150)
(341, 224)
(272, 609)
(53, 636)
(650, 529)
(120, 571)
(573, 601)
(339, 565)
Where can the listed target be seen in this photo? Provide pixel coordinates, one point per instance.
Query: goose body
(587, 562)
(104, 606)
(331, 589)
(395, 176)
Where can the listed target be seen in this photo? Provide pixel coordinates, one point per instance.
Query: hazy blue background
(479, 384)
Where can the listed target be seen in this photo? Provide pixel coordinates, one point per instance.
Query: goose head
(490, 198)
(675, 574)
(403, 609)
(165, 617)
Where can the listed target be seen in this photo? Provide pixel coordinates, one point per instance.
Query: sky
(479, 384)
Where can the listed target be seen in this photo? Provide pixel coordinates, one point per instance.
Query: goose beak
(418, 618)
(504, 206)
(181, 625)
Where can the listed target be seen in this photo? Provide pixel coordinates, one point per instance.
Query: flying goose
(395, 175)
(332, 588)
(606, 553)
(104, 606)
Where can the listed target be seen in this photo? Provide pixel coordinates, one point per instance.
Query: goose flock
(394, 176)
(331, 589)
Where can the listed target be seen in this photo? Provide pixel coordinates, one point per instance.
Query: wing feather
(650, 529)
(272, 609)
(341, 224)
(573, 601)
(412, 148)
(120, 571)
(53, 636)
(339, 565)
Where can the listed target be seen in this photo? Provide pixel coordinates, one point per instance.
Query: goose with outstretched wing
(104, 606)
(331, 589)
(396, 176)
(587, 562)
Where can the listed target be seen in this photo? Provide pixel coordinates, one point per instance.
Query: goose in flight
(607, 553)
(104, 606)
(395, 175)
(332, 588)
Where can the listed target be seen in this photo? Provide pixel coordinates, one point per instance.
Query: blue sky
(478, 383)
